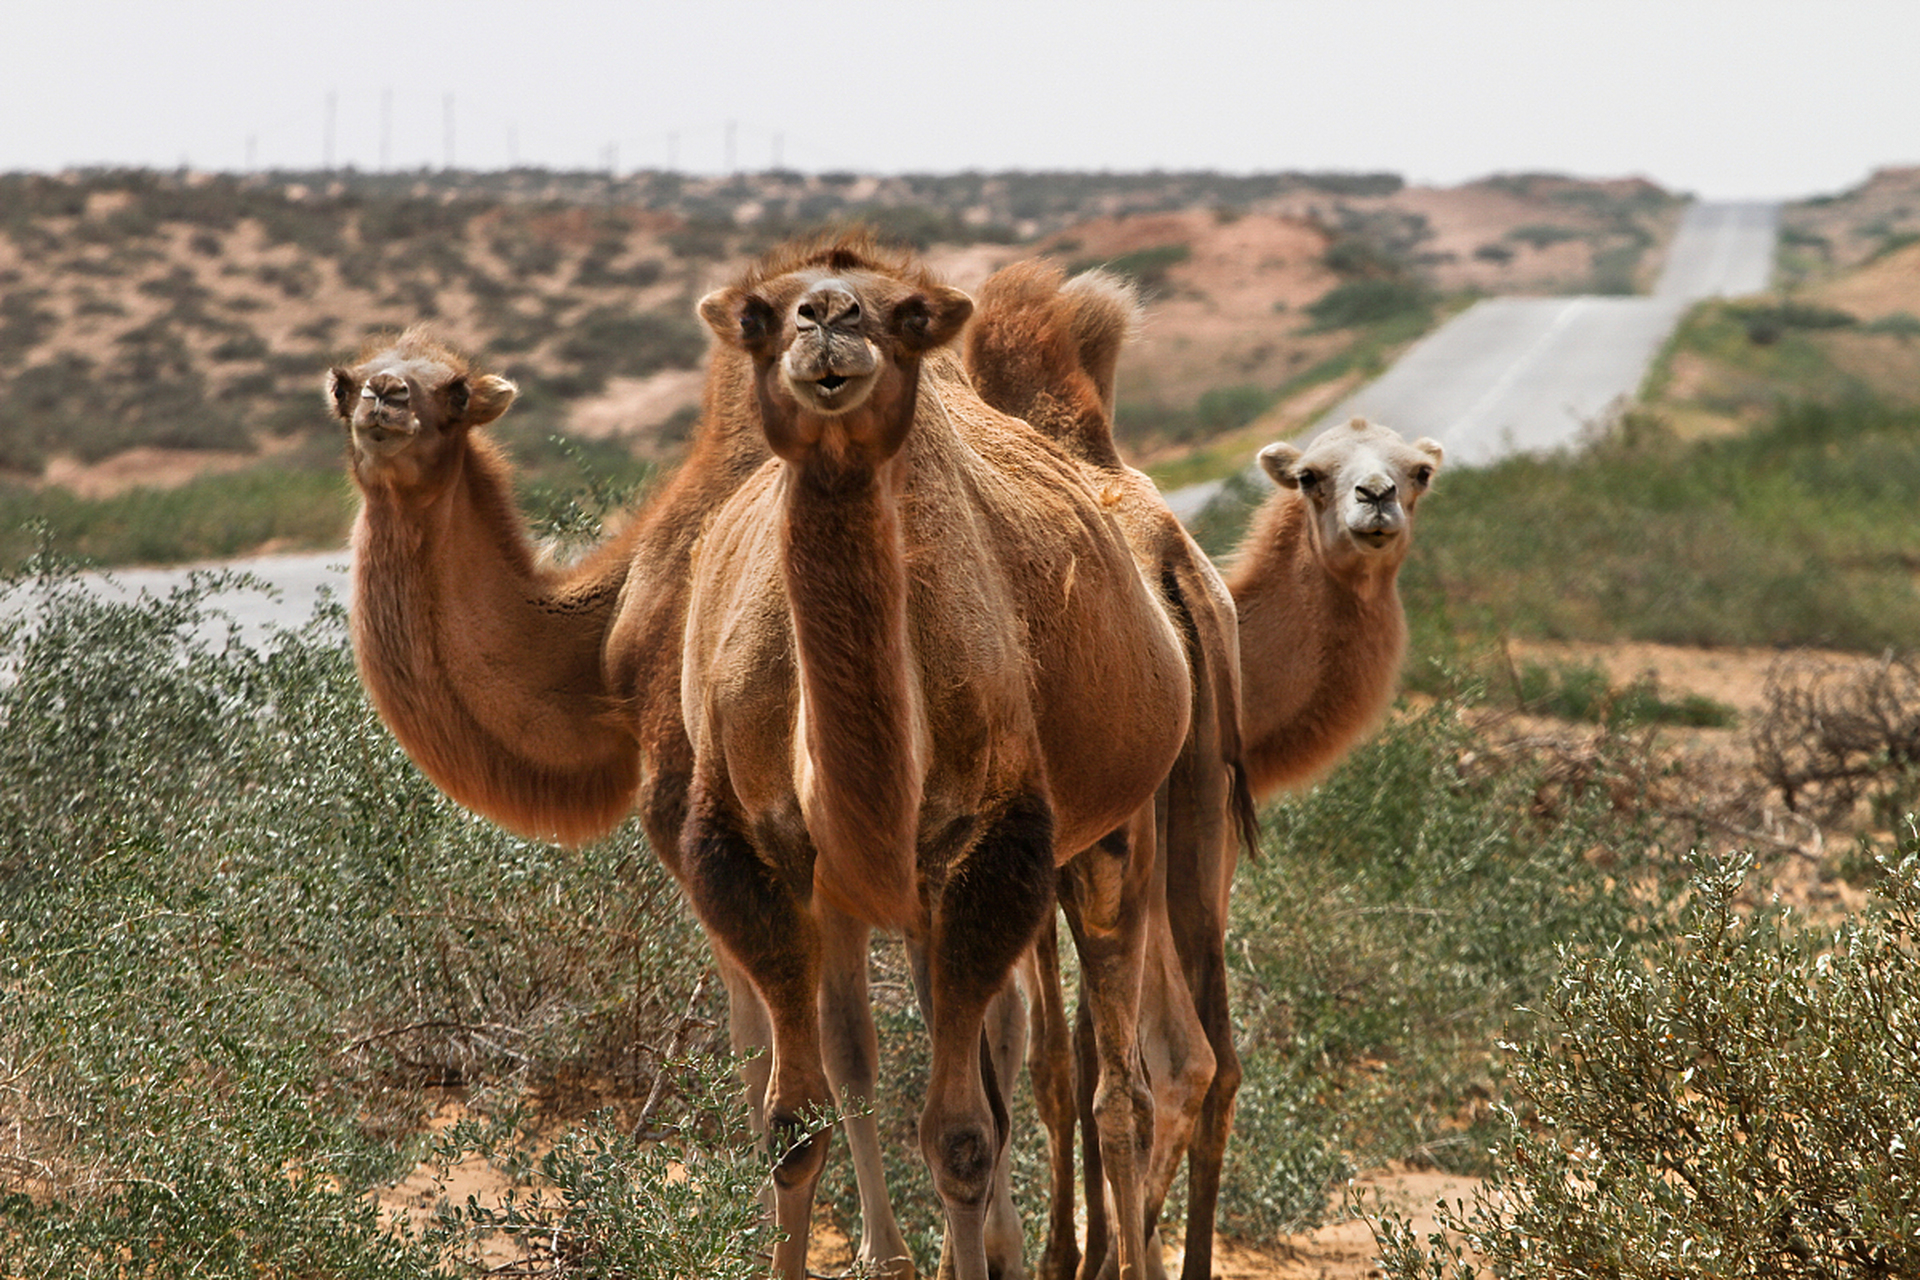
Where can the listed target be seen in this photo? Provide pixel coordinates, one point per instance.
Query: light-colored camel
(496, 672)
(894, 641)
(1316, 582)
(1046, 349)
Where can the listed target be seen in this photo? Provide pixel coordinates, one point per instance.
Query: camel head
(1361, 483)
(406, 401)
(836, 331)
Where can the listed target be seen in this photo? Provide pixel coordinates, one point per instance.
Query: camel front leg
(750, 1035)
(753, 918)
(852, 1054)
(985, 918)
(1104, 893)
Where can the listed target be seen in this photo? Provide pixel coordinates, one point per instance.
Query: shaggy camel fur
(1316, 581)
(861, 738)
(500, 676)
(901, 637)
(1046, 349)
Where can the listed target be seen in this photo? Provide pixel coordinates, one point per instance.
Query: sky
(1725, 99)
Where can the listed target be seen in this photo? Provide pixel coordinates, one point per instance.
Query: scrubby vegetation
(251, 952)
(1739, 1099)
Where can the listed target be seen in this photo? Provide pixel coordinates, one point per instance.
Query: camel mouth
(1377, 539)
(832, 393)
(379, 438)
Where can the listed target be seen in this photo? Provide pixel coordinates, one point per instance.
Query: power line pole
(731, 127)
(386, 127)
(447, 112)
(333, 106)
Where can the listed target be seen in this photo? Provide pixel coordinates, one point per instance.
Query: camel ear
(931, 319)
(341, 389)
(487, 398)
(1431, 447)
(1277, 461)
(740, 320)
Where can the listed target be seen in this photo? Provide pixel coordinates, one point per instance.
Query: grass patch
(1584, 692)
(1407, 906)
(1794, 534)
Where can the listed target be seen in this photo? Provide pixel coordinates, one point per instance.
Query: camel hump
(1045, 348)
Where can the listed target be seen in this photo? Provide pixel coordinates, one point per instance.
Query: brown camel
(863, 733)
(901, 637)
(466, 641)
(1316, 581)
(1046, 349)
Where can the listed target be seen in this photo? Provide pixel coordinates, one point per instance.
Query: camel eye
(1306, 478)
(1424, 475)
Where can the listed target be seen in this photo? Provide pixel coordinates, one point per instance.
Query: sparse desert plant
(1834, 733)
(1738, 1100)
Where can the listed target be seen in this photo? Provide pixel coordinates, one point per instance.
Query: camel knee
(1123, 1110)
(798, 1152)
(961, 1156)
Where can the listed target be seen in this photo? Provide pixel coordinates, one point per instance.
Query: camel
(900, 637)
(1046, 349)
(466, 640)
(891, 640)
(1316, 583)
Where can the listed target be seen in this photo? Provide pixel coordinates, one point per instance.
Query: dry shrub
(1834, 734)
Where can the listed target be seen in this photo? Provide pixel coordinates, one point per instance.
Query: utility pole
(333, 107)
(732, 125)
(446, 107)
(386, 127)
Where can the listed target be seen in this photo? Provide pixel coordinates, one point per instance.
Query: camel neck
(846, 580)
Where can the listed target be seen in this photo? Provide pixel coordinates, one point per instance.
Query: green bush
(1146, 267)
(1357, 303)
(243, 939)
(1738, 1100)
(1403, 909)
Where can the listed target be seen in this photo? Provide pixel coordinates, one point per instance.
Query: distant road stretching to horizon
(1514, 374)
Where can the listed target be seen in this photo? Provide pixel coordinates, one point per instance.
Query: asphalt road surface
(1532, 374)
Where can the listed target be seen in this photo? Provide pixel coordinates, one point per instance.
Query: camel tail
(1246, 818)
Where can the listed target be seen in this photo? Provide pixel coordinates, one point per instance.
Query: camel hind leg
(985, 917)
(1050, 1067)
(1105, 894)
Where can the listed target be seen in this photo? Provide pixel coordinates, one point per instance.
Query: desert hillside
(157, 325)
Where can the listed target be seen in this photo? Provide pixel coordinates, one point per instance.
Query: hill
(159, 326)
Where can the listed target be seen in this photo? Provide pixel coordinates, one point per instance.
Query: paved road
(1525, 374)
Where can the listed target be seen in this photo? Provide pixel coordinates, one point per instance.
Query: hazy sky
(1724, 98)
